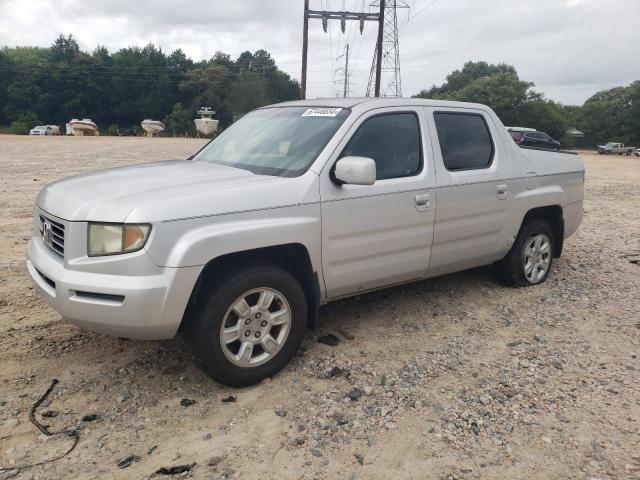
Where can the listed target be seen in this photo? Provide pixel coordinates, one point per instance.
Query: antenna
(386, 60)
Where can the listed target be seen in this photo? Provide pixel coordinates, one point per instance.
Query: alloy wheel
(255, 327)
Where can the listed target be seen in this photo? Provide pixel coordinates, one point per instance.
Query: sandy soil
(455, 377)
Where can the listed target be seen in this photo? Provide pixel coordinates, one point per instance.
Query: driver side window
(392, 140)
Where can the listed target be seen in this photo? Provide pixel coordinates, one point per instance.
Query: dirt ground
(451, 378)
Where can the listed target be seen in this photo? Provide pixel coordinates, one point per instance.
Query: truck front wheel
(249, 326)
(530, 259)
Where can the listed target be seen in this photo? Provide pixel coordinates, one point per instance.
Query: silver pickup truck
(613, 147)
(293, 206)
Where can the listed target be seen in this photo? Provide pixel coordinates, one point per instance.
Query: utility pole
(325, 16)
(379, 49)
(305, 44)
(346, 73)
(386, 58)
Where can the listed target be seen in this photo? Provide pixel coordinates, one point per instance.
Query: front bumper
(148, 306)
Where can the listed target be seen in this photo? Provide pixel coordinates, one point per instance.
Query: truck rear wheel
(530, 259)
(250, 325)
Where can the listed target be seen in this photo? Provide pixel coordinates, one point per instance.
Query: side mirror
(356, 171)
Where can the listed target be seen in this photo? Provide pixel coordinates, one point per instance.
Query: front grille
(52, 233)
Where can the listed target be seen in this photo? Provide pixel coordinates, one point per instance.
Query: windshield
(282, 141)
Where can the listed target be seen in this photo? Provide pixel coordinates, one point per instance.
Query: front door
(378, 235)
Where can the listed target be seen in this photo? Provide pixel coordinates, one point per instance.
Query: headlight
(112, 239)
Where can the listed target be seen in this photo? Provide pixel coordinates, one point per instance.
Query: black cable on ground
(69, 432)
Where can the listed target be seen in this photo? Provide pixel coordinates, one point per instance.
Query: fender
(527, 200)
(196, 242)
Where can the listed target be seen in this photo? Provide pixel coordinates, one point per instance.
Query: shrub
(112, 131)
(19, 128)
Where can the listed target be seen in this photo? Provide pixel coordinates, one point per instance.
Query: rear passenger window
(465, 141)
(392, 140)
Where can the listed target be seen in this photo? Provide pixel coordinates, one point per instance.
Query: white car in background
(45, 130)
(41, 130)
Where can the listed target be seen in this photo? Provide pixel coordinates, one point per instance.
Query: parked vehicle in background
(637, 152)
(613, 147)
(42, 130)
(293, 206)
(534, 139)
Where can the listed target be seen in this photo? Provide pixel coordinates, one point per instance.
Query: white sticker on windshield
(321, 112)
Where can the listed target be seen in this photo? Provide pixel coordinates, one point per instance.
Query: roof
(373, 102)
(520, 129)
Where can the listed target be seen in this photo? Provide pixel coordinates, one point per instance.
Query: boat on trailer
(152, 127)
(206, 124)
(84, 128)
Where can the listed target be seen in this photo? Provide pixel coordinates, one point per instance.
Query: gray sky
(569, 48)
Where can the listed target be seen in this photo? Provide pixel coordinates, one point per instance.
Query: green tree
(246, 93)
(612, 115)
(500, 87)
(125, 87)
(64, 49)
(470, 72)
(179, 121)
(547, 116)
(24, 123)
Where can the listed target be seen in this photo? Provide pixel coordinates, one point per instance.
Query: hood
(111, 195)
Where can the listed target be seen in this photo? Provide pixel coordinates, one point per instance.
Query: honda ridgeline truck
(293, 206)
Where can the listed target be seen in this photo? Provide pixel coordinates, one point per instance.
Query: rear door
(476, 182)
(378, 235)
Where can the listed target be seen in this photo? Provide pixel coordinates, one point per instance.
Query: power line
(409, 18)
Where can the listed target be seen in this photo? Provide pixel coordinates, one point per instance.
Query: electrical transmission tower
(343, 87)
(391, 83)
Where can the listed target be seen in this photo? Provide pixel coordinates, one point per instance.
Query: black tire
(512, 267)
(203, 326)
(607, 152)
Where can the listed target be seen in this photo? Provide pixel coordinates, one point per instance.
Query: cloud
(569, 48)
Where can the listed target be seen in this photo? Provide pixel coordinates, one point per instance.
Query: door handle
(501, 191)
(423, 202)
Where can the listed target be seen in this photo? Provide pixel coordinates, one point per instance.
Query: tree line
(610, 115)
(118, 90)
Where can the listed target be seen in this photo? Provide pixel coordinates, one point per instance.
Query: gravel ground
(451, 378)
